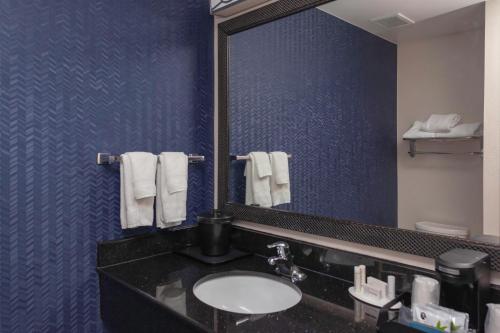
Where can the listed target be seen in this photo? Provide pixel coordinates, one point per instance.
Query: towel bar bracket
(107, 158)
(413, 148)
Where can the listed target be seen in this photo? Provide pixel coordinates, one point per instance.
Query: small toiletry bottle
(363, 274)
(391, 287)
(357, 279)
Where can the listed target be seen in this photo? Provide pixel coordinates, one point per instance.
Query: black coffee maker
(465, 283)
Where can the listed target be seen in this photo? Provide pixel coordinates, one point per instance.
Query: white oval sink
(247, 292)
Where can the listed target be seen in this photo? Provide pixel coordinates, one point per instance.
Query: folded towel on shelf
(134, 211)
(463, 130)
(459, 131)
(172, 185)
(415, 132)
(438, 123)
(257, 173)
(280, 178)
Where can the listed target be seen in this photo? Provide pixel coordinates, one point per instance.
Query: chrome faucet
(284, 262)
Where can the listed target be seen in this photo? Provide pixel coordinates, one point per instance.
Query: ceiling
(361, 13)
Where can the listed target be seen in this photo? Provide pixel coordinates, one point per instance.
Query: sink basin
(247, 292)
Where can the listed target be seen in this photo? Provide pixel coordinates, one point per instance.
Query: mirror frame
(400, 240)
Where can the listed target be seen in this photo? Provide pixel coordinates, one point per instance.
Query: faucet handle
(279, 244)
(282, 249)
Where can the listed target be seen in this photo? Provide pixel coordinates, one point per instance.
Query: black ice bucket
(214, 231)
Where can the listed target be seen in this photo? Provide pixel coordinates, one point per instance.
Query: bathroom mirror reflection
(346, 90)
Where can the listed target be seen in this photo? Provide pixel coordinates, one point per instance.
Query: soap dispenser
(465, 281)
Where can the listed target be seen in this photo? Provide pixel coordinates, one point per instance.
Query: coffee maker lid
(461, 258)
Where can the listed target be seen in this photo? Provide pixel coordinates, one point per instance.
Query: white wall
(440, 75)
(492, 120)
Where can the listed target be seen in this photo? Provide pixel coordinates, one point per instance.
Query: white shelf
(371, 300)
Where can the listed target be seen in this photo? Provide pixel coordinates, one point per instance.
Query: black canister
(465, 283)
(214, 231)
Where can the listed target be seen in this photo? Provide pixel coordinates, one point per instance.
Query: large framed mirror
(379, 107)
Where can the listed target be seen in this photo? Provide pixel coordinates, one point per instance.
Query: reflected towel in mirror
(258, 173)
(280, 178)
(438, 123)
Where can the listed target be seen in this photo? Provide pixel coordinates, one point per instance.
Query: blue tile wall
(325, 91)
(76, 78)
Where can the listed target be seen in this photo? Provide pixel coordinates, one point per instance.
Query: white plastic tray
(371, 300)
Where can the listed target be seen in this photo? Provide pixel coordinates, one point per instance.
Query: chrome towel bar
(246, 157)
(106, 158)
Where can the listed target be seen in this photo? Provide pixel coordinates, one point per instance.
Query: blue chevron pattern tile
(76, 78)
(323, 90)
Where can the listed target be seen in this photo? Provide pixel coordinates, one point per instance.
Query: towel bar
(106, 158)
(246, 157)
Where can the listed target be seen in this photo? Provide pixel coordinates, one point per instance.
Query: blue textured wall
(80, 77)
(324, 91)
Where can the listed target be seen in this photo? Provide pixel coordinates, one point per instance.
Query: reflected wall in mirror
(338, 86)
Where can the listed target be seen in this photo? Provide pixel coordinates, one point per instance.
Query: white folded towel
(136, 212)
(172, 184)
(143, 174)
(438, 123)
(415, 132)
(257, 173)
(463, 130)
(280, 178)
(459, 131)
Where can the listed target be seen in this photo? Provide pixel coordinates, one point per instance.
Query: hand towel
(143, 174)
(248, 183)
(172, 184)
(280, 178)
(262, 163)
(257, 173)
(134, 212)
(438, 123)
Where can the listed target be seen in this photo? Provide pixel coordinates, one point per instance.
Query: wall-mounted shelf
(413, 146)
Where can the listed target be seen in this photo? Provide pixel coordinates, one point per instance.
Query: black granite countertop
(168, 279)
